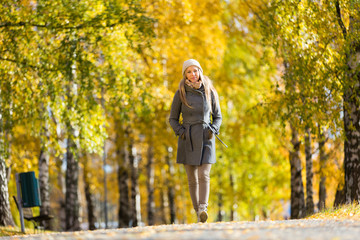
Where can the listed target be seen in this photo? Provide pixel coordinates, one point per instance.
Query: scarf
(195, 85)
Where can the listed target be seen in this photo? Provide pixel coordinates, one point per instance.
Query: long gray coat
(196, 148)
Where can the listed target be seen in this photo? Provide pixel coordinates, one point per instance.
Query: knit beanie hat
(190, 62)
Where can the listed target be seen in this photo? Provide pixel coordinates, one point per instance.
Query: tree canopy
(95, 79)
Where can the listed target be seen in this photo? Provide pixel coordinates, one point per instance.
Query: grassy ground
(351, 212)
(11, 231)
(341, 213)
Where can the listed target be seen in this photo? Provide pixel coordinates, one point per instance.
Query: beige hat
(190, 62)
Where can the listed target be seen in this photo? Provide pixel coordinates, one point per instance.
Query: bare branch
(51, 26)
(255, 13)
(339, 18)
(28, 65)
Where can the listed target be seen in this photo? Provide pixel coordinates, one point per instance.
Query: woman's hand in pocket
(183, 136)
(210, 134)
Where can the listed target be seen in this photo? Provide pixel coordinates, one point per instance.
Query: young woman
(197, 101)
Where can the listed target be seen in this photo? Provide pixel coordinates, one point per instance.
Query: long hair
(208, 86)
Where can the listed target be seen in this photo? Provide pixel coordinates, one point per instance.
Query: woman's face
(192, 73)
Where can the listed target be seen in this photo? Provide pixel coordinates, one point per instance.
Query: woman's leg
(192, 175)
(204, 183)
(204, 190)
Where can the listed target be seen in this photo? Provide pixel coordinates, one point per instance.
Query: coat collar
(190, 89)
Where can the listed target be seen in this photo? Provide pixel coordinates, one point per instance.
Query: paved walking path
(290, 230)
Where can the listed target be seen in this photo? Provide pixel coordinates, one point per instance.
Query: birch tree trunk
(339, 196)
(352, 146)
(297, 187)
(220, 216)
(164, 203)
(232, 197)
(135, 195)
(352, 117)
(309, 174)
(171, 190)
(124, 214)
(61, 197)
(150, 184)
(5, 213)
(44, 186)
(44, 171)
(71, 196)
(72, 164)
(322, 187)
(351, 104)
(90, 200)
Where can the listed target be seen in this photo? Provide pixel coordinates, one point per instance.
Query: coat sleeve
(216, 113)
(175, 114)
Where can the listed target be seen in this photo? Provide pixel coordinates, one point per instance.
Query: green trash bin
(30, 191)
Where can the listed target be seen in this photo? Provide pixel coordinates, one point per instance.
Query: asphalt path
(287, 229)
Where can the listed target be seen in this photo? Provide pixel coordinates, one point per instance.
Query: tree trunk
(124, 201)
(71, 197)
(124, 214)
(232, 197)
(297, 188)
(8, 173)
(135, 195)
(61, 215)
(339, 196)
(352, 144)
(90, 201)
(220, 216)
(5, 213)
(164, 203)
(322, 187)
(309, 174)
(6, 218)
(44, 186)
(44, 172)
(351, 147)
(351, 105)
(150, 184)
(171, 186)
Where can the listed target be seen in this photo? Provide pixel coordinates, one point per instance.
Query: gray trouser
(199, 183)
